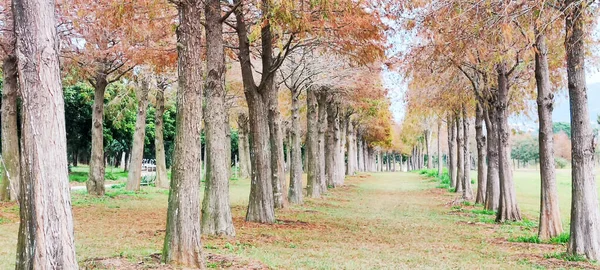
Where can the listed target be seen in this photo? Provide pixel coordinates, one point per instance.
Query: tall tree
(481, 156)
(134, 176)
(46, 238)
(11, 171)
(182, 244)
(585, 219)
(216, 211)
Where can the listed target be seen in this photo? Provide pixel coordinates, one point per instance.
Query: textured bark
(162, 179)
(585, 222)
(360, 153)
(428, 148)
(439, 149)
(508, 210)
(351, 149)
(452, 169)
(295, 161)
(261, 203)
(46, 238)
(550, 224)
(216, 210)
(342, 138)
(460, 155)
(467, 190)
(95, 183)
(182, 244)
(11, 171)
(312, 145)
(481, 156)
(492, 197)
(322, 113)
(277, 154)
(137, 150)
(243, 147)
(332, 145)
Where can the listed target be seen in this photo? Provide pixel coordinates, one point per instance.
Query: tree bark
(360, 153)
(428, 148)
(182, 244)
(439, 148)
(481, 156)
(137, 150)
(467, 190)
(46, 238)
(340, 162)
(322, 114)
(11, 171)
(585, 222)
(508, 210)
(216, 210)
(460, 157)
(312, 145)
(550, 224)
(452, 166)
(295, 191)
(492, 197)
(332, 146)
(95, 183)
(351, 149)
(162, 179)
(243, 147)
(261, 202)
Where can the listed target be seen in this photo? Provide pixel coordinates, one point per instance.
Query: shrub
(561, 163)
(561, 238)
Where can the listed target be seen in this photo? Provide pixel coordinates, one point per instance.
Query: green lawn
(377, 221)
(80, 173)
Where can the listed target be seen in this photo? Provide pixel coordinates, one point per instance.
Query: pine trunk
(216, 210)
(162, 179)
(508, 210)
(295, 161)
(312, 145)
(11, 170)
(585, 222)
(46, 238)
(481, 156)
(182, 244)
(137, 150)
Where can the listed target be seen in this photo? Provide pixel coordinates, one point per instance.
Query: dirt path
(381, 221)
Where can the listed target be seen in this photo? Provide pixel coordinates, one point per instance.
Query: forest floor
(375, 221)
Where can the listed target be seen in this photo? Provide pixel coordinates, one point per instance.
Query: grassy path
(378, 221)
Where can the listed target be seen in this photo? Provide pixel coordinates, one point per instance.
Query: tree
(137, 152)
(585, 219)
(182, 244)
(216, 211)
(46, 238)
(162, 180)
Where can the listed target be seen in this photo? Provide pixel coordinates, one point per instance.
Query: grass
(80, 174)
(383, 220)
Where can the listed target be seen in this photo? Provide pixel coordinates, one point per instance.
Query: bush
(560, 163)
(562, 238)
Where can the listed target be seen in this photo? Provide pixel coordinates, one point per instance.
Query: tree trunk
(585, 222)
(312, 145)
(481, 156)
(95, 183)
(216, 210)
(182, 244)
(508, 210)
(492, 197)
(452, 166)
(341, 164)
(46, 238)
(351, 149)
(428, 148)
(467, 190)
(295, 191)
(243, 147)
(137, 150)
(127, 158)
(162, 179)
(360, 154)
(332, 146)
(439, 148)
(550, 224)
(277, 156)
(261, 202)
(460, 157)
(11, 171)
(322, 114)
